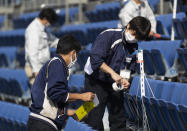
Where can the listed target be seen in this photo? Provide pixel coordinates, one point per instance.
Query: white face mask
(129, 38)
(72, 62)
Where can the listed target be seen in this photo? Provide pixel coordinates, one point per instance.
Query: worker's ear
(72, 53)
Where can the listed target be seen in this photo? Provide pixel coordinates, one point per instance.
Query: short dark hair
(49, 14)
(68, 43)
(141, 26)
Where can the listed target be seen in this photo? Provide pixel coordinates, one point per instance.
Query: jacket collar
(63, 62)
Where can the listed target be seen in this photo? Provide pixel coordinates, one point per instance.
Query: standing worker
(38, 42)
(110, 59)
(50, 93)
(134, 8)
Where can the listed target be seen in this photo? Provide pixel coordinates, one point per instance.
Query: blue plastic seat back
(166, 48)
(158, 62)
(151, 88)
(148, 63)
(3, 61)
(184, 95)
(166, 20)
(73, 125)
(17, 74)
(15, 87)
(183, 57)
(179, 29)
(76, 81)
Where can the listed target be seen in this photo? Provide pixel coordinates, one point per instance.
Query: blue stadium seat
(183, 57)
(2, 19)
(76, 81)
(3, 61)
(73, 125)
(179, 29)
(162, 109)
(104, 12)
(13, 117)
(18, 75)
(167, 54)
(166, 21)
(20, 58)
(10, 53)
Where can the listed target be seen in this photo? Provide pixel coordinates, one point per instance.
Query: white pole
(142, 85)
(174, 16)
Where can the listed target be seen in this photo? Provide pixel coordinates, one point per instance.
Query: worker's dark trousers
(107, 97)
(38, 125)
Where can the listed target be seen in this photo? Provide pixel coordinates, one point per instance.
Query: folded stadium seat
(15, 87)
(20, 58)
(13, 117)
(2, 19)
(153, 4)
(181, 7)
(22, 79)
(73, 125)
(169, 89)
(4, 86)
(148, 64)
(153, 105)
(77, 81)
(179, 29)
(183, 58)
(10, 53)
(158, 62)
(167, 54)
(160, 29)
(3, 61)
(104, 12)
(184, 22)
(166, 20)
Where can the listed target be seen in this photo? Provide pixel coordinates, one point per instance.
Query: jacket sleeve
(53, 41)
(57, 89)
(99, 49)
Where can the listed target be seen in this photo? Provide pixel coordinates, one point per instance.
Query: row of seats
(160, 57)
(165, 104)
(87, 33)
(13, 85)
(109, 11)
(25, 19)
(104, 12)
(12, 57)
(181, 28)
(14, 117)
(2, 19)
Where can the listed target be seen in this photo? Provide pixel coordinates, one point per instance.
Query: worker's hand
(151, 33)
(70, 112)
(124, 83)
(88, 96)
(35, 74)
(117, 78)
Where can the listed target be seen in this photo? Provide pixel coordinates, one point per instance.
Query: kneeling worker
(110, 59)
(50, 92)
